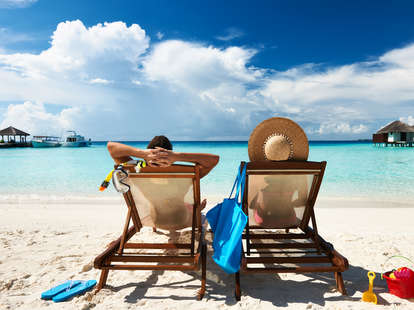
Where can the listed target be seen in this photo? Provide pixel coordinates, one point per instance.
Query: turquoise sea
(354, 169)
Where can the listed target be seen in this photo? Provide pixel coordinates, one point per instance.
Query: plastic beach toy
(369, 296)
(400, 282)
(59, 289)
(77, 290)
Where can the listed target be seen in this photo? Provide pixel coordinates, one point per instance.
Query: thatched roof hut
(13, 132)
(395, 133)
(396, 126)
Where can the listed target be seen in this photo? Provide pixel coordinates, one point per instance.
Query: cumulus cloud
(116, 85)
(79, 52)
(16, 3)
(197, 67)
(32, 117)
(360, 93)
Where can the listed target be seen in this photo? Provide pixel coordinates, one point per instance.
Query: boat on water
(46, 141)
(75, 140)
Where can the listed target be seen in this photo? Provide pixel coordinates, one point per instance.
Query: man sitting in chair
(159, 153)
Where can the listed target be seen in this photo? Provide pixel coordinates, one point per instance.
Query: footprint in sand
(61, 268)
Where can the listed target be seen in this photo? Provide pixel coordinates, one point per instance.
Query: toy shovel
(369, 296)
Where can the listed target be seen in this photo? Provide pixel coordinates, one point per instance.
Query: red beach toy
(400, 282)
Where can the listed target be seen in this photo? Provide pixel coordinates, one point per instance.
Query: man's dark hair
(160, 141)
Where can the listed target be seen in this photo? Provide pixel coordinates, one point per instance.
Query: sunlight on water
(353, 169)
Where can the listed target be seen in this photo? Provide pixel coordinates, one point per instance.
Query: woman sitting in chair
(278, 201)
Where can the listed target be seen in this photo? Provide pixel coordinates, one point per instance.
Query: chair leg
(237, 292)
(340, 283)
(102, 279)
(202, 290)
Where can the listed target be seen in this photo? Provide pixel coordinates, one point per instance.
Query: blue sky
(205, 70)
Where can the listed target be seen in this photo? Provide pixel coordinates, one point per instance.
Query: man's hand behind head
(160, 157)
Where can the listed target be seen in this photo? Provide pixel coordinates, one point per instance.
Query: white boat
(46, 141)
(75, 140)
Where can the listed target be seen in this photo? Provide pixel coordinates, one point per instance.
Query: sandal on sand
(59, 289)
(77, 290)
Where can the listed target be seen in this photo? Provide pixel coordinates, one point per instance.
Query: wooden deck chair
(164, 198)
(280, 197)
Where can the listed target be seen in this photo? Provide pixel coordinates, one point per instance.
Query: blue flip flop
(77, 290)
(59, 289)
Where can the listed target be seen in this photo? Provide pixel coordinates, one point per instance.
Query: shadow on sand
(311, 288)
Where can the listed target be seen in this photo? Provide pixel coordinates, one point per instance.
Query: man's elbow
(215, 160)
(111, 147)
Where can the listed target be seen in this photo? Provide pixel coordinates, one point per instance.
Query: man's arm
(121, 153)
(160, 157)
(205, 161)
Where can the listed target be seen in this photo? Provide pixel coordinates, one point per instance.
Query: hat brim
(280, 126)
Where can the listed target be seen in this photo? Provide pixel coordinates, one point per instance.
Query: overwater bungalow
(396, 133)
(9, 136)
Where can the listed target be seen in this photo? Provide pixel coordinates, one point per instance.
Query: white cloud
(33, 118)
(160, 35)
(230, 34)
(197, 67)
(400, 57)
(78, 52)
(340, 128)
(16, 3)
(190, 90)
(99, 81)
(360, 93)
(409, 120)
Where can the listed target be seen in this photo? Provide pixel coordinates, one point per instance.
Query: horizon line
(145, 141)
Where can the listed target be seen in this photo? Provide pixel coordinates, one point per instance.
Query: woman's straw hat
(278, 138)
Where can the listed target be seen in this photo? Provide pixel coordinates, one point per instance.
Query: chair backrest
(282, 194)
(166, 197)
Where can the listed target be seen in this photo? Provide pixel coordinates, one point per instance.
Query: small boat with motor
(75, 140)
(46, 141)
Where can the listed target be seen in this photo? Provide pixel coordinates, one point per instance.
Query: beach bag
(227, 220)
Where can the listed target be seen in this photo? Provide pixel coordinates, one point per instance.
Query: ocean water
(354, 169)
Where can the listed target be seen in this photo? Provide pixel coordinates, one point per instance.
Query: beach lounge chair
(279, 199)
(166, 199)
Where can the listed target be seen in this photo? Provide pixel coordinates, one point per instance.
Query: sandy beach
(44, 242)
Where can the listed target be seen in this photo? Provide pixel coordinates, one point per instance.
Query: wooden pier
(17, 144)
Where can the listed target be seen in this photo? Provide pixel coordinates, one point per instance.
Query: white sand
(44, 242)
